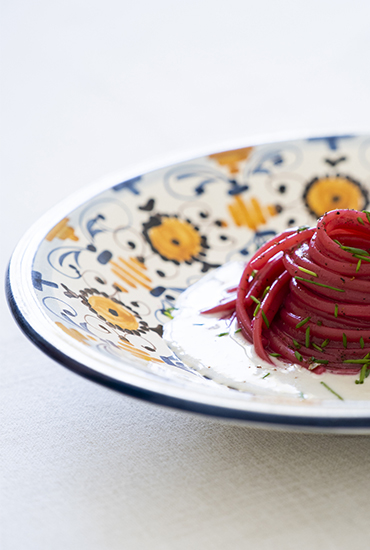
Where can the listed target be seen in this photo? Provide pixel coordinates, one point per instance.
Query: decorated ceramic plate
(111, 283)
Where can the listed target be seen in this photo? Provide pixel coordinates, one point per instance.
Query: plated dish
(103, 282)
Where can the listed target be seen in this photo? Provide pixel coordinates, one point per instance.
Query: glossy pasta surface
(304, 297)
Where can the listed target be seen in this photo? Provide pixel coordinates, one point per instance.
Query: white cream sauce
(230, 360)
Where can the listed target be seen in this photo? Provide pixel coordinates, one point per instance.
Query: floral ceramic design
(108, 273)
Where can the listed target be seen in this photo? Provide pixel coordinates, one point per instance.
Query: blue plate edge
(248, 417)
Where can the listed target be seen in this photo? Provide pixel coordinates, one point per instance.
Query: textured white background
(92, 87)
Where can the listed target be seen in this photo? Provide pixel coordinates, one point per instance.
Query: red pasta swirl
(305, 295)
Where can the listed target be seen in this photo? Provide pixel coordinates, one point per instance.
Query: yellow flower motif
(329, 193)
(174, 239)
(113, 312)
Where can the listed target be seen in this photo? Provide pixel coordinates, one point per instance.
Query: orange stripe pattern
(131, 272)
(249, 213)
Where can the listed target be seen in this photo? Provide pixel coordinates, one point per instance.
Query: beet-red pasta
(304, 297)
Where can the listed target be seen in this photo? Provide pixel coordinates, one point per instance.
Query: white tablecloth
(92, 87)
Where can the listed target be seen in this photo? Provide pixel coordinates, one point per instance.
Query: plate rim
(31, 241)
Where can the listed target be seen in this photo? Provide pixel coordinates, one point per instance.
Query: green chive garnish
(319, 284)
(362, 374)
(336, 310)
(353, 250)
(256, 301)
(364, 258)
(308, 271)
(344, 340)
(222, 334)
(357, 361)
(360, 220)
(367, 215)
(296, 344)
(275, 354)
(358, 266)
(265, 318)
(321, 361)
(316, 346)
(301, 323)
(319, 323)
(302, 228)
(307, 337)
(362, 343)
(257, 308)
(298, 356)
(266, 375)
(237, 330)
(332, 391)
(167, 312)
(325, 343)
(265, 292)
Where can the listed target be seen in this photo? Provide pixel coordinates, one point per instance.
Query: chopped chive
(362, 374)
(362, 343)
(336, 310)
(307, 342)
(321, 361)
(367, 215)
(354, 250)
(257, 308)
(302, 228)
(367, 356)
(265, 292)
(266, 375)
(365, 259)
(358, 266)
(296, 344)
(237, 330)
(301, 323)
(338, 243)
(316, 346)
(360, 220)
(332, 391)
(307, 271)
(319, 284)
(298, 356)
(167, 312)
(254, 273)
(319, 323)
(265, 318)
(357, 361)
(344, 340)
(275, 354)
(325, 343)
(255, 300)
(222, 334)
